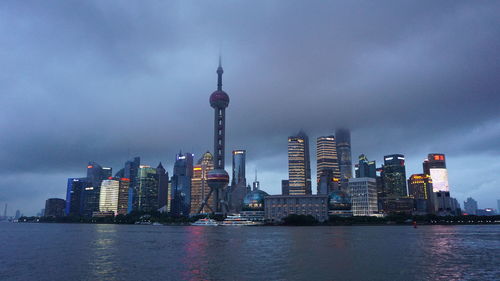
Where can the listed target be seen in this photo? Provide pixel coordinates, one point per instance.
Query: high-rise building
(299, 167)
(199, 185)
(218, 178)
(54, 207)
(435, 166)
(108, 199)
(470, 206)
(181, 184)
(146, 199)
(123, 193)
(395, 176)
(344, 152)
(162, 176)
(328, 171)
(90, 196)
(285, 187)
(420, 188)
(74, 191)
(131, 171)
(238, 189)
(363, 192)
(365, 168)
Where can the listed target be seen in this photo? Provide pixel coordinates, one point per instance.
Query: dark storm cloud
(106, 81)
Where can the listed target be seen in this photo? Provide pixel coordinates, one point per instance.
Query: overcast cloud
(106, 81)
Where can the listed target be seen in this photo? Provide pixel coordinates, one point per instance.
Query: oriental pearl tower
(218, 178)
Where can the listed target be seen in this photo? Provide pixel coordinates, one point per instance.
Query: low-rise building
(278, 207)
(363, 192)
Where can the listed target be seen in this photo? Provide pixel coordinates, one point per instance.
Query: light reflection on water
(129, 252)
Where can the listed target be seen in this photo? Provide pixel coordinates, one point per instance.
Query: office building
(470, 206)
(328, 171)
(108, 199)
(54, 207)
(285, 187)
(181, 184)
(238, 188)
(74, 191)
(131, 171)
(90, 195)
(363, 193)
(123, 193)
(299, 169)
(435, 166)
(146, 192)
(278, 207)
(394, 172)
(162, 176)
(199, 185)
(420, 189)
(343, 138)
(365, 168)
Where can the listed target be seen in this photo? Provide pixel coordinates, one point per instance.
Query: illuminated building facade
(181, 184)
(74, 191)
(146, 193)
(299, 169)
(277, 207)
(90, 195)
(54, 207)
(108, 200)
(199, 185)
(363, 193)
(344, 153)
(435, 166)
(420, 188)
(123, 193)
(365, 168)
(328, 171)
(394, 172)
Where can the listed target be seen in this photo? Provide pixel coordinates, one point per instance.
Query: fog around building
(106, 81)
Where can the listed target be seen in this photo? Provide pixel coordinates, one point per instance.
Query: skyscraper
(199, 185)
(218, 178)
(328, 171)
(470, 206)
(74, 191)
(238, 189)
(181, 184)
(130, 171)
(365, 168)
(344, 152)
(435, 166)
(420, 188)
(395, 176)
(108, 198)
(299, 169)
(90, 196)
(162, 176)
(123, 193)
(146, 199)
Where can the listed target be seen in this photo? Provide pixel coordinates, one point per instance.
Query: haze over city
(100, 81)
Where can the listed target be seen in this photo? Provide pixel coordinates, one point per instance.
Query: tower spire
(219, 74)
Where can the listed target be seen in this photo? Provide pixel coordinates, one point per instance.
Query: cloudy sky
(106, 81)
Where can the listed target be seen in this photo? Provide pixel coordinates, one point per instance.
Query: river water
(141, 252)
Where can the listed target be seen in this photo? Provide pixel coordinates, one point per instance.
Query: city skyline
(89, 103)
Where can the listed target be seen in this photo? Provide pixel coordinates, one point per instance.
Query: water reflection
(103, 250)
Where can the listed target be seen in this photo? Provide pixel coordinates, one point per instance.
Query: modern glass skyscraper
(239, 159)
(147, 190)
(365, 168)
(394, 176)
(435, 166)
(199, 185)
(74, 192)
(420, 188)
(344, 152)
(123, 193)
(181, 184)
(162, 176)
(131, 171)
(328, 171)
(299, 169)
(90, 196)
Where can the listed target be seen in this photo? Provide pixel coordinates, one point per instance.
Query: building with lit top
(365, 168)
(181, 184)
(328, 171)
(420, 188)
(363, 193)
(199, 185)
(394, 173)
(90, 195)
(238, 188)
(435, 166)
(299, 169)
(147, 188)
(74, 191)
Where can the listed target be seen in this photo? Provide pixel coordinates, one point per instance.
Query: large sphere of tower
(217, 178)
(219, 99)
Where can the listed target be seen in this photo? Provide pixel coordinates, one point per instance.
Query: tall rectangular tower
(327, 160)
(299, 169)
